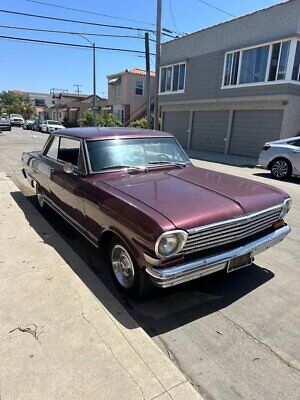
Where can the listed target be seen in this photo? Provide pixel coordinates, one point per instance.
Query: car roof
(109, 133)
(286, 140)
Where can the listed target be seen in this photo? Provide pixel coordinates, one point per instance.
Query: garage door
(209, 130)
(177, 122)
(251, 129)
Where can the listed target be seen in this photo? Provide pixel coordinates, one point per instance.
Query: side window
(52, 151)
(70, 151)
(295, 143)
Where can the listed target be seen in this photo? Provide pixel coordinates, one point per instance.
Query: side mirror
(68, 168)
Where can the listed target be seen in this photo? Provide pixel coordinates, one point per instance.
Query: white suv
(50, 125)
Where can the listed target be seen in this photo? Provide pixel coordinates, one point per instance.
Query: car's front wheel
(129, 278)
(281, 168)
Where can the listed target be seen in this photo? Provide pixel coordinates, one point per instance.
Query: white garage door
(251, 129)
(209, 130)
(177, 122)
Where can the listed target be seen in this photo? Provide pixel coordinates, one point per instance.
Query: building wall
(259, 27)
(204, 75)
(128, 96)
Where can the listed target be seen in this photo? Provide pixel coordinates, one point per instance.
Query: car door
(66, 188)
(295, 153)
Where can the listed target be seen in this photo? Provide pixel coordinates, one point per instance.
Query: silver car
(281, 157)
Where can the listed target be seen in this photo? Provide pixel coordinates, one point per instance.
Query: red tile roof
(139, 71)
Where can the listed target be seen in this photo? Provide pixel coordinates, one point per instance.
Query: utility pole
(94, 84)
(147, 91)
(93, 46)
(78, 88)
(157, 63)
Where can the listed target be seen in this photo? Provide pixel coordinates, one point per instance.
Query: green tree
(15, 103)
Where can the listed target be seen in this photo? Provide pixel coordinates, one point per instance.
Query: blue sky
(38, 68)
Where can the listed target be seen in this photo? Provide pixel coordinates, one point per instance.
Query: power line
(96, 13)
(72, 33)
(83, 22)
(77, 21)
(83, 46)
(172, 15)
(216, 8)
(89, 12)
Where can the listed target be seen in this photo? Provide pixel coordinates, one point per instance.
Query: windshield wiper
(120, 167)
(181, 164)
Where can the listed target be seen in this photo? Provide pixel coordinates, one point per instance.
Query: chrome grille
(230, 231)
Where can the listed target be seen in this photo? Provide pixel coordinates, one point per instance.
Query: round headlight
(286, 208)
(170, 243)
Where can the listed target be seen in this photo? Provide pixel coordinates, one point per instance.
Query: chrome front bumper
(204, 266)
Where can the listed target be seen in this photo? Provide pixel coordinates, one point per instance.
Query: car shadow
(268, 175)
(163, 310)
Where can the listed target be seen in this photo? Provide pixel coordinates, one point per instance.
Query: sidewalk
(220, 158)
(58, 340)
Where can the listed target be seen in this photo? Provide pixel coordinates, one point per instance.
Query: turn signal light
(279, 224)
(266, 147)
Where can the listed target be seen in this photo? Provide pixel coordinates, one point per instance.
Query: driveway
(235, 336)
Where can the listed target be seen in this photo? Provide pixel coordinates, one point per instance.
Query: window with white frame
(172, 78)
(117, 89)
(259, 64)
(296, 65)
(139, 88)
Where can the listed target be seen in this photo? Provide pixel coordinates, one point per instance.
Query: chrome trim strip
(233, 220)
(194, 269)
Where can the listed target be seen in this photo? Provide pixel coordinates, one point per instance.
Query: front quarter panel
(108, 210)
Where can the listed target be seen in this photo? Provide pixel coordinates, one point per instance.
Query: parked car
(37, 124)
(136, 195)
(28, 124)
(5, 124)
(282, 157)
(16, 119)
(50, 125)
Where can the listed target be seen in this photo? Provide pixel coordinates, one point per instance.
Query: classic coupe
(160, 220)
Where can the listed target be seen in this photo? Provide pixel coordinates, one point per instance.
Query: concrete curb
(62, 333)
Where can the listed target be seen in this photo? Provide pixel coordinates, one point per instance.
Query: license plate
(239, 262)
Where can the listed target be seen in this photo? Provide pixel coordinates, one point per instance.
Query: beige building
(126, 94)
(69, 107)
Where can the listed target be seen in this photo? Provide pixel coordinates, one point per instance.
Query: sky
(38, 68)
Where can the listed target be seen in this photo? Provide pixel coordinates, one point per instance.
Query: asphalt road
(235, 336)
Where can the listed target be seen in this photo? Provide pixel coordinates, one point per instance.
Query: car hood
(193, 196)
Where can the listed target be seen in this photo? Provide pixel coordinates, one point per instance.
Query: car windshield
(16, 115)
(51, 122)
(134, 153)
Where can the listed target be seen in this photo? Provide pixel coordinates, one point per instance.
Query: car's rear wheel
(281, 168)
(129, 278)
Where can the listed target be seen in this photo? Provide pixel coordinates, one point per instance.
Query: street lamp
(94, 76)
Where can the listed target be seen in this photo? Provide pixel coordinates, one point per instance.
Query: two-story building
(126, 94)
(232, 87)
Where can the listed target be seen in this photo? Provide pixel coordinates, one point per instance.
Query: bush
(101, 120)
(142, 123)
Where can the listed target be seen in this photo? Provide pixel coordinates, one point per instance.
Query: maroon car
(136, 194)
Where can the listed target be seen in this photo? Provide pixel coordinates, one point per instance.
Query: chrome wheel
(122, 266)
(280, 169)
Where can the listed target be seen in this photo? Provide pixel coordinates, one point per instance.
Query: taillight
(266, 147)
